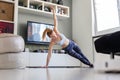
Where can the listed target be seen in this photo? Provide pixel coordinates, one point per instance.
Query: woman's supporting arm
(49, 53)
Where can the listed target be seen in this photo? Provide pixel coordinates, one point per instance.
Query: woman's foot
(91, 66)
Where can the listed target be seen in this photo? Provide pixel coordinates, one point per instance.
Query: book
(6, 27)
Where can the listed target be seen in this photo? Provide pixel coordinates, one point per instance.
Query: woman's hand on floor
(44, 66)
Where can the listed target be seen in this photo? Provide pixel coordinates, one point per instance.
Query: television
(35, 31)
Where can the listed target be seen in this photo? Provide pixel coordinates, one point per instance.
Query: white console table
(59, 60)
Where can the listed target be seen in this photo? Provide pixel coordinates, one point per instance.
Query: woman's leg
(73, 50)
(79, 56)
(76, 52)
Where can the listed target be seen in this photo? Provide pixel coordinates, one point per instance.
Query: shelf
(32, 11)
(56, 60)
(40, 12)
(39, 7)
(6, 21)
(9, 1)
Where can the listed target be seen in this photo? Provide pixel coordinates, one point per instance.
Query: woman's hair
(48, 32)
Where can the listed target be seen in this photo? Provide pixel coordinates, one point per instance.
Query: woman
(69, 46)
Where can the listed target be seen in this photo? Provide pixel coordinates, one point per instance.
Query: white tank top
(63, 38)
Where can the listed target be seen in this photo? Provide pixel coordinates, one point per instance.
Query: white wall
(82, 26)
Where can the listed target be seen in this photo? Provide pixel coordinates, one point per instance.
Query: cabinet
(39, 7)
(8, 16)
(61, 60)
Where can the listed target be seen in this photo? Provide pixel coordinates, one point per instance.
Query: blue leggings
(73, 50)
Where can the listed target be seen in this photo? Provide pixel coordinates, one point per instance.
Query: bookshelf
(38, 7)
(8, 16)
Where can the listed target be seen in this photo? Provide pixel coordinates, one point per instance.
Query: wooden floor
(57, 74)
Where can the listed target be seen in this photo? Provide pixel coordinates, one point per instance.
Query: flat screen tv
(35, 31)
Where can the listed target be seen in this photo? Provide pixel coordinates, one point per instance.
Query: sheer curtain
(106, 16)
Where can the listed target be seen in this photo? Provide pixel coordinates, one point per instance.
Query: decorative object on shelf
(60, 2)
(6, 11)
(41, 51)
(39, 7)
(58, 51)
(20, 3)
(46, 8)
(60, 11)
(54, 1)
(33, 6)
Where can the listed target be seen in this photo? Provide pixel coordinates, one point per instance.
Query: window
(106, 16)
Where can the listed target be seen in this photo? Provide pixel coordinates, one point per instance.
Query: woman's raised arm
(55, 20)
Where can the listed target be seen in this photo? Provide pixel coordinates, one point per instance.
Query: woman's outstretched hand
(44, 66)
(52, 9)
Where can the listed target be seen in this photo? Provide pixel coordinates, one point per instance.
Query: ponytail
(46, 31)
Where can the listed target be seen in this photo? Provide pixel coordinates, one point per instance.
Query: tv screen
(35, 31)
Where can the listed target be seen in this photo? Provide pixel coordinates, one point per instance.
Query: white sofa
(11, 51)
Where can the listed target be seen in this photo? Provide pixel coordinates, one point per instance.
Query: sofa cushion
(13, 60)
(11, 43)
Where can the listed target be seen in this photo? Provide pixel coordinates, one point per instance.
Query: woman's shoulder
(59, 34)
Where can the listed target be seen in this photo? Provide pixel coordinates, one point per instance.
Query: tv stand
(61, 60)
